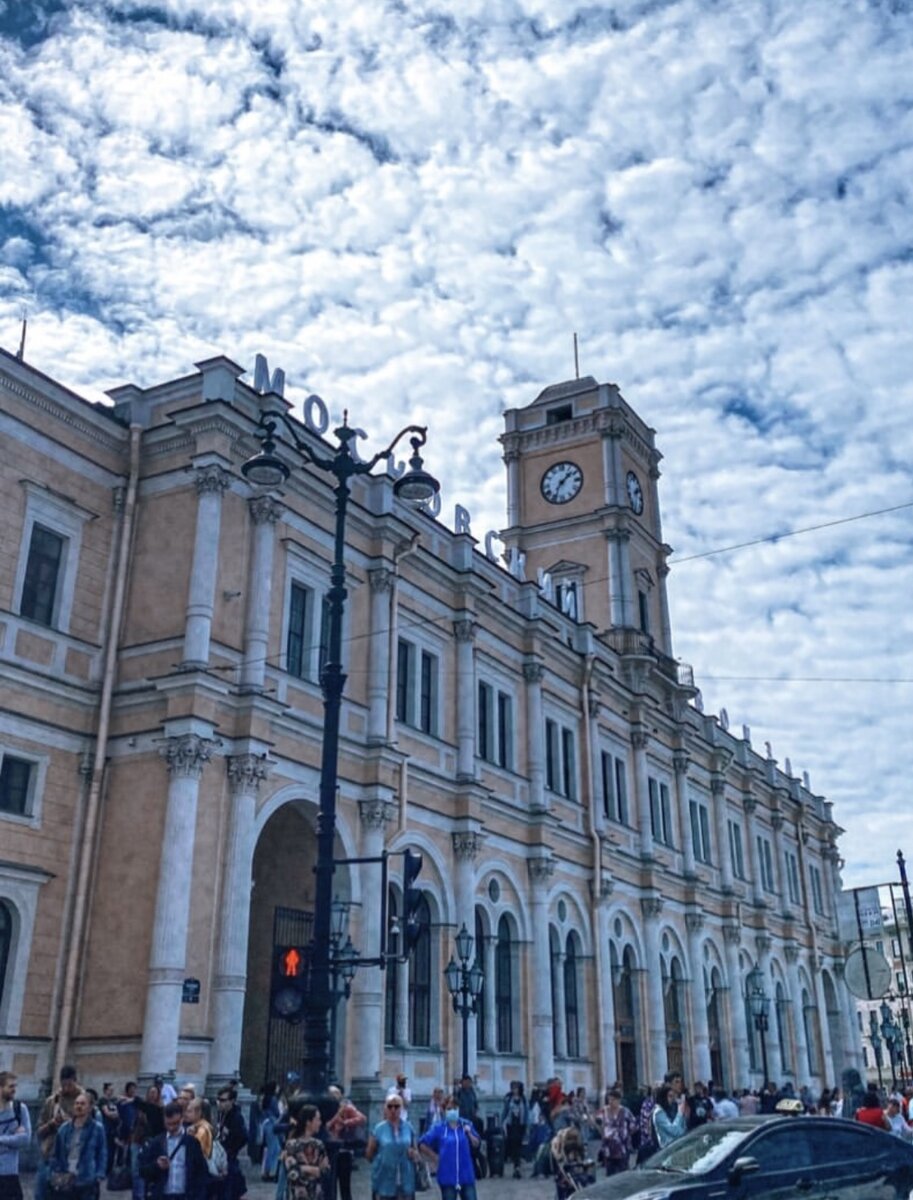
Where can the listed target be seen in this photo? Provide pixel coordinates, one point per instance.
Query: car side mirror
(742, 1166)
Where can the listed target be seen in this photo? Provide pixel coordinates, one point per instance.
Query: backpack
(218, 1160)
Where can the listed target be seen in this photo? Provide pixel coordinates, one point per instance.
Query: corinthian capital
(188, 754)
(264, 510)
(375, 814)
(694, 922)
(464, 629)
(541, 868)
(247, 771)
(639, 737)
(651, 906)
(211, 479)
(467, 843)
(533, 672)
(380, 579)
(732, 934)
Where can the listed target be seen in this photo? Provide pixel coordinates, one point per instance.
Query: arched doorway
(713, 989)
(672, 1003)
(623, 996)
(282, 903)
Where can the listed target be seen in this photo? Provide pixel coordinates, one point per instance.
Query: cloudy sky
(411, 208)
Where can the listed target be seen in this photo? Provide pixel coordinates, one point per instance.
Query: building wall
(208, 798)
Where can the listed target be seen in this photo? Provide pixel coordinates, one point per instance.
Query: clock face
(635, 495)
(561, 482)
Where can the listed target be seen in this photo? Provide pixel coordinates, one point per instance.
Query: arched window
(420, 979)
(571, 1009)
(555, 961)
(672, 1004)
(483, 1000)
(714, 1031)
(809, 1011)
(390, 979)
(625, 1017)
(504, 987)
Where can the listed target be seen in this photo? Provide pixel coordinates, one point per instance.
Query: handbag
(422, 1176)
(120, 1179)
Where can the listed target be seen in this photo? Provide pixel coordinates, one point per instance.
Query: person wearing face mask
(451, 1143)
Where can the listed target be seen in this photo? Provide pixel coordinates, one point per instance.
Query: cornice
(56, 409)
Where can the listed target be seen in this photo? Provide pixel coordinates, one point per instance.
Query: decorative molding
(55, 409)
(593, 704)
(717, 784)
(681, 761)
(732, 934)
(533, 672)
(791, 952)
(639, 737)
(651, 906)
(694, 921)
(776, 821)
(763, 941)
(247, 771)
(118, 499)
(188, 754)
(749, 803)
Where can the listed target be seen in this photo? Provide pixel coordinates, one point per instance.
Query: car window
(785, 1148)
(842, 1142)
(701, 1151)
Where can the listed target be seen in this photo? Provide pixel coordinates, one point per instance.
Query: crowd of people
(171, 1145)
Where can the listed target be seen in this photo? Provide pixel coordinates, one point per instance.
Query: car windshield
(699, 1152)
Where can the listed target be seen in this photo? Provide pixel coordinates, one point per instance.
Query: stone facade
(621, 858)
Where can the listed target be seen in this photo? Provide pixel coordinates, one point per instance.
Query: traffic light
(289, 977)
(412, 898)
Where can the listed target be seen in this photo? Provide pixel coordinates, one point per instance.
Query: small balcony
(634, 643)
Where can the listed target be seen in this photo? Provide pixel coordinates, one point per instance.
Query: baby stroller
(572, 1168)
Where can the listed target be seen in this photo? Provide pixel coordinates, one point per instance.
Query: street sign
(867, 973)
(859, 914)
(190, 992)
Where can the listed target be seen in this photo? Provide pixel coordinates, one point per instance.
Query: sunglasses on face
(394, 1106)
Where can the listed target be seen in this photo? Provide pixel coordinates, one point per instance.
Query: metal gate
(284, 1038)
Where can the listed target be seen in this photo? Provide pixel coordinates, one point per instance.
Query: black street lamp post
(892, 1035)
(759, 1003)
(464, 982)
(266, 469)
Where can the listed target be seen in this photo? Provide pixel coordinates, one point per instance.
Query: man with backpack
(15, 1132)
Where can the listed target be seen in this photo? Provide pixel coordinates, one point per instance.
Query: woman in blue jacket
(452, 1141)
(81, 1151)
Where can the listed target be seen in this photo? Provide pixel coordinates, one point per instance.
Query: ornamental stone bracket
(464, 629)
(187, 754)
(264, 510)
(533, 672)
(604, 891)
(380, 579)
(791, 952)
(211, 479)
(763, 942)
(376, 814)
(651, 907)
(694, 921)
(732, 934)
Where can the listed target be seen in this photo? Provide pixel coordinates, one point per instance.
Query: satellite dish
(879, 973)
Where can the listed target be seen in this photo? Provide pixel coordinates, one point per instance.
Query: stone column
(185, 756)
(211, 482)
(609, 1064)
(662, 571)
(365, 1023)
(657, 1055)
(642, 789)
(381, 679)
(611, 463)
(512, 461)
(556, 963)
(749, 804)
(488, 958)
(718, 790)
(535, 734)
(464, 630)
(621, 600)
(245, 774)
(740, 1068)
(541, 870)
(681, 760)
(791, 953)
(264, 513)
(700, 1056)
(466, 846)
(829, 1069)
(763, 942)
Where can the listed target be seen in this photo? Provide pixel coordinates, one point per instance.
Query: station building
(513, 711)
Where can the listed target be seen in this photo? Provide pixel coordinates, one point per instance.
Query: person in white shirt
(899, 1126)
(724, 1107)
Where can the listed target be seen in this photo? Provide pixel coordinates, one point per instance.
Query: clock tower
(583, 507)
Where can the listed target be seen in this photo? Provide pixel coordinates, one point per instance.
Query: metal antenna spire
(20, 353)
(576, 359)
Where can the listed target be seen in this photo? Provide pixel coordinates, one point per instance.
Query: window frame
(36, 785)
(662, 828)
(308, 575)
(495, 724)
(765, 864)
(699, 820)
(412, 707)
(736, 850)
(561, 759)
(614, 773)
(66, 520)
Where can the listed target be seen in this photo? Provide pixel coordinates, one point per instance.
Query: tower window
(562, 412)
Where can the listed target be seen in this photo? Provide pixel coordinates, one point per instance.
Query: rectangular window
(660, 811)
(814, 876)
(405, 666)
(700, 830)
(416, 687)
(643, 606)
(614, 788)
(15, 778)
(427, 700)
(42, 575)
(495, 726)
(297, 654)
(765, 863)
(736, 852)
(560, 759)
(792, 878)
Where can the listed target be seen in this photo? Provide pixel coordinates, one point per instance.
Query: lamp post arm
(268, 422)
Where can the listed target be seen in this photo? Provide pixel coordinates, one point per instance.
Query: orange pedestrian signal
(291, 963)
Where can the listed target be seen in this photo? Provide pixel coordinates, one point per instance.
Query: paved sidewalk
(488, 1189)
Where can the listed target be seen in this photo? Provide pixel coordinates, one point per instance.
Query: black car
(770, 1158)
